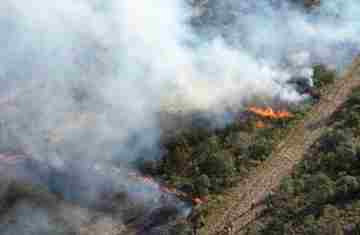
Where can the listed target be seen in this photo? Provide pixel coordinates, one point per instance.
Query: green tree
(320, 188)
(182, 229)
(310, 226)
(331, 139)
(347, 184)
(260, 150)
(220, 164)
(287, 186)
(202, 185)
(322, 76)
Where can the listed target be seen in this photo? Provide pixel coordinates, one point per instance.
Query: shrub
(310, 225)
(287, 186)
(354, 98)
(323, 76)
(260, 150)
(347, 184)
(182, 229)
(219, 164)
(202, 185)
(331, 139)
(320, 187)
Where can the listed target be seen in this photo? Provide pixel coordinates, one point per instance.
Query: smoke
(37, 223)
(45, 215)
(91, 76)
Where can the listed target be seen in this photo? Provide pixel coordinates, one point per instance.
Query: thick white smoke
(91, 75)
(151, 46)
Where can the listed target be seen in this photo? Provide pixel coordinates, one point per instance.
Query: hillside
(241, 151)
(181, 117)
(245, 202)
(321, 195)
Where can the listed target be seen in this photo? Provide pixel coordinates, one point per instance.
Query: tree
(220, 167)
(347, 184)
(354, 98)
(310, 225)
(356, 230)
(320, 188)
(287, 185)
(202, 185)
(220, 164)
(182, 229)
(322, 76)
(332, 139)
(180, 159)
(260, 150)
(256, 229)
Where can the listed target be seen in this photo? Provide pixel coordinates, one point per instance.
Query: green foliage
(321, 196)
(202, 185)
(287, 186)
(319, 188)
(323, 76)
(331, 141)
(347, 184)
(256, 229)
(218, 164)
(182, 229)
(349, 116)
(210, 162)
(310, 225)
(260, 150)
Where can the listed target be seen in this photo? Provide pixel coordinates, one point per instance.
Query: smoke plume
(89, 77)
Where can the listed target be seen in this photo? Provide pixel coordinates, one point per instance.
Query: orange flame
(270, 113)
(260, 124)
(150, 181)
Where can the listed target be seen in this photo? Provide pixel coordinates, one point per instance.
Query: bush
(287, 186)
(347, 184)
(323, 76)
(331, 140)
(321, 196)
(219, 164)
(260, 150)
(310, 226)
(202, 185)
(354, 98)
(182, 229)
(320, 187)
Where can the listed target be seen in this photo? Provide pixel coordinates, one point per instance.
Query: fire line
(270, 113)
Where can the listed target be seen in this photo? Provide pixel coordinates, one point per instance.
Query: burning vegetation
(200, 160)
(268, 112)
(325, 184)
(86, 149)
(260, 124)
(148, 180)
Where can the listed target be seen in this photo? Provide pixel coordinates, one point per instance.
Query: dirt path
(237, 210)
(237, 207)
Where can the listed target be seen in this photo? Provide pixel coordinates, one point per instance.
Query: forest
(322, 195)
